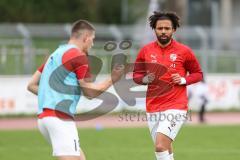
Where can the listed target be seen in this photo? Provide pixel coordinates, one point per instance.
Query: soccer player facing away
(167, 67)
(55, 84)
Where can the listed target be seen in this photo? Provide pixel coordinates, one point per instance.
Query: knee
(160, 147)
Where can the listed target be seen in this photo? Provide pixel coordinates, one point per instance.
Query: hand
(117, 72)
(177, 79)
(149, 78)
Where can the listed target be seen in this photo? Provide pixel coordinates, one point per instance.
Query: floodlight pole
(204, 47)
(28, 54)
(124, 11)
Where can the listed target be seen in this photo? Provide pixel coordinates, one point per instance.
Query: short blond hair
(81, 26)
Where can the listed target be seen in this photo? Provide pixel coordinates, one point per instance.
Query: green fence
(15, 61)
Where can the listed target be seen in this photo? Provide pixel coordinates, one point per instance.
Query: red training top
(162, 94)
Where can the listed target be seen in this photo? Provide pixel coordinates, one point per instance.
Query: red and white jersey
(162, 94)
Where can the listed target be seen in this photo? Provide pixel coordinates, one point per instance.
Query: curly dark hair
(172, 16)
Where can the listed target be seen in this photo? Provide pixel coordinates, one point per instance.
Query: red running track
(121, 120)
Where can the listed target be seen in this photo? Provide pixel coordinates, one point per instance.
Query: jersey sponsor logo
(154, 58)
(173, 57)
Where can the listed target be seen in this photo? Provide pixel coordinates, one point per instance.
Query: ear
(85, 37)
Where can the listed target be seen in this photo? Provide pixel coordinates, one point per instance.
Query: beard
(163, 39)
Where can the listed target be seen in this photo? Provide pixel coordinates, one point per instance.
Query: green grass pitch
(194, 142)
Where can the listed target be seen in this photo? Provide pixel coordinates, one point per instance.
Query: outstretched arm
(91, 90)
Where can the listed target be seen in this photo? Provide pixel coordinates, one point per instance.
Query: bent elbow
(29, 87)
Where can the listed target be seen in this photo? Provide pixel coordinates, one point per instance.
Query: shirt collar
(170, 45)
